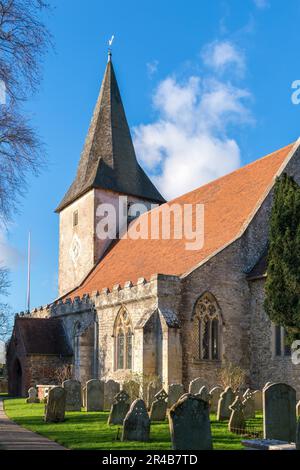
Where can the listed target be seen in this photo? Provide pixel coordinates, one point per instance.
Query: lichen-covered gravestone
(215, 396)
(56, 405)
(152, 389)
(195, 385)
(32, 396)
(159, 406)
(237, 419)
(73, 395)
(136, 426)
(175, 391)
(119, 408)
(258, 400)
(249, 402)
(189, 424)
(226, 399)
(111, 388)
(279, 404)
(94, 395)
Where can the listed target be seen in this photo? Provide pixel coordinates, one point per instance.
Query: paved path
(14, 437)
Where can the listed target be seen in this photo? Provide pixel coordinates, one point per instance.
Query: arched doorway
(17, 379)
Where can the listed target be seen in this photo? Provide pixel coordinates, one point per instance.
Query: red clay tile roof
(45, 336)
(229, 203)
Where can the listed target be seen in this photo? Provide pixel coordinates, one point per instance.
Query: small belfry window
(206, 328)
(123, 341)
(75, 218)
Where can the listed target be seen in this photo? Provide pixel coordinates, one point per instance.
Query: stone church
(149, 305)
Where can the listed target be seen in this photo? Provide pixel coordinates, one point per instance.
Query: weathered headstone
(56, 404)
(226, 399)
(136, 426)
(175, 391)
(32, 396)
(215, 396)
(94, 395)
(111, 388)
(189, 424)
(258, 400)
(152, 389)
(248, 401)
(195, 385)
(204, 394)
(73, 395)
(119, 408)
(237, 419)
(279, 404)
(159, 406)
(267, 385)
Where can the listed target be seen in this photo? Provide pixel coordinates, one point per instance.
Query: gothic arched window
(123, 340)
(206, 328)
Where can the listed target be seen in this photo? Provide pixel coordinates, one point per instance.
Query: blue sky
(204, 82)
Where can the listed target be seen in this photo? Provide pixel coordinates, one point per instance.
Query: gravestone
(73, 395)
(226, 399)
(298, 409)
(237, 419)
(32, 396)
(258, 400)
(279, 405)
(136, 426)
(267, 385)
(56, 404)
(175, 391)
(215, 396)
(195, 385)
(159, 406)
(152, 389)
(111, 388)
(204, 394)
(189, 424)
(298, 435)
(119, 408)
(248, 400)
(94, 395)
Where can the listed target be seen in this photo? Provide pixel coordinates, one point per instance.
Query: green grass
(89, 431)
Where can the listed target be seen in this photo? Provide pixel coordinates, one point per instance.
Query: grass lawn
(89, 431)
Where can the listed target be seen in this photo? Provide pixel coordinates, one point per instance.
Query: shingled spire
(108, 159)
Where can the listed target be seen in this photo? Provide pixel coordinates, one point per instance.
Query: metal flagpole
(28, 275)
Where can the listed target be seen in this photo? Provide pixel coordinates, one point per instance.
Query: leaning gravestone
(215, 396)
(189, 424)
(237, 419)
(111, 388)
(73, 395)
(226, 399)
(279, 404)
(249, 402)
(195, 385)
(56, 404)
(136, 426)
(159, 406)
(119, 408)
(258, 400)
(32, 396)
(152, 389)
(94, 395)
(175, 391)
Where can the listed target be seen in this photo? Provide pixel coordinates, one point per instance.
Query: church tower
(107, 169)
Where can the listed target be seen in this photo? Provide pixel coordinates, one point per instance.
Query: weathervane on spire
(110, 41)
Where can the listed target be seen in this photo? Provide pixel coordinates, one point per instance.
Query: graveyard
(89, 430)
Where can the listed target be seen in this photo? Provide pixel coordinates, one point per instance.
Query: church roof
(230, 202)
(108, 159)
(45, 336)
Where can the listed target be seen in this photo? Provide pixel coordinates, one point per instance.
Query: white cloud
(221, 55)
(262, 4)
(10, 257)
(189, 143)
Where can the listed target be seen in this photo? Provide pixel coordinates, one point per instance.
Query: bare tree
(5, 312)
(24, 39)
